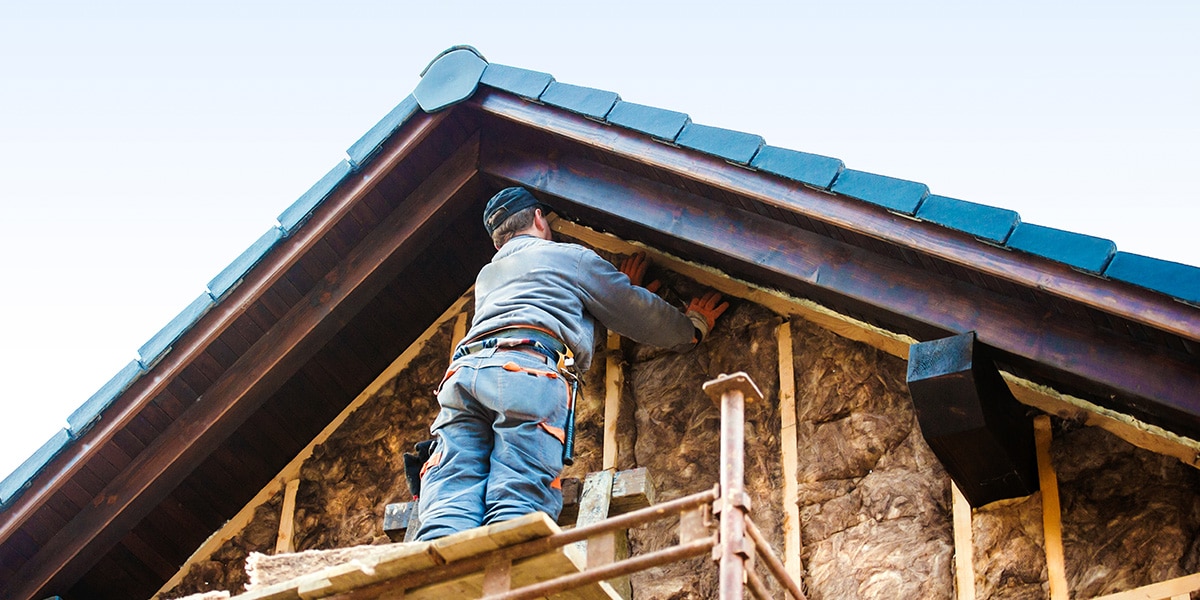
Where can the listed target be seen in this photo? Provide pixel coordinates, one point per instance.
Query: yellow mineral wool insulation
(290, 472)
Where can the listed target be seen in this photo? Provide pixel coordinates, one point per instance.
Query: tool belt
(544, 343)
(522, 338)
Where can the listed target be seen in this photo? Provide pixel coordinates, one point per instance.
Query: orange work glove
(635, 267)
(704, 311)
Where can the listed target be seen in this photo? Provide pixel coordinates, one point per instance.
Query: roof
(299, 323)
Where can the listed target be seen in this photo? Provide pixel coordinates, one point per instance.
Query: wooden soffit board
(242, 388)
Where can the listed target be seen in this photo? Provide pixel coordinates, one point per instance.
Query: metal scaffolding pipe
(731, 392)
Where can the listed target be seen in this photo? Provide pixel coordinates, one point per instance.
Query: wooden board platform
(394, 561)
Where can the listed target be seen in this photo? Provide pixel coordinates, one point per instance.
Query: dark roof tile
(230, 275)
(900, 195)
(158, 345)
(367, 145)
(1171, 278)
(85, 415)
(1084, 252)
(585, 101)
(660, 123)
(810, 169)
(16, 481)
(451, 78)
(733, 146)
(522, 82)
(300, 209)
(982, 221)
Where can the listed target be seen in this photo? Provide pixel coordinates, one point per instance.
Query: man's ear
(540, 221)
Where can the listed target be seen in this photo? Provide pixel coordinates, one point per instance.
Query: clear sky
(144, 145)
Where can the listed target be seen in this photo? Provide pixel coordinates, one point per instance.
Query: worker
(500, 433)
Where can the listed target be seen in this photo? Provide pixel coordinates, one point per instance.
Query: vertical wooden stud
(287, 523)
(790, 452)
(1051, 511)
(964, 548)
(614, 380)
(460, 331)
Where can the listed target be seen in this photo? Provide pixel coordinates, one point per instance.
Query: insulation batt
(678, 437)
(1130, 517)
(224, 569)
(874, 501)
(359, 470)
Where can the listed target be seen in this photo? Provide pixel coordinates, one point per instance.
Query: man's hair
(517, 222)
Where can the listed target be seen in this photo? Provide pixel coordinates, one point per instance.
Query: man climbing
(504, 402)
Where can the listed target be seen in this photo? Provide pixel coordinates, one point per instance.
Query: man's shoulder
(560, 251)
(557, 247)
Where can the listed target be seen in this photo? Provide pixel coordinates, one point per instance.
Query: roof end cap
(452, 76)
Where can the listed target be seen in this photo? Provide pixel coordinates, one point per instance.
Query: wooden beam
(615, 545)
(1179, 588)
(964, 547)
(1046, 399)
(775, 300)
(1138, 305)
(460, 331)
(789, 454)
(779, 254)
(632, 490)
(192, 344)
(287, 518)
(1051, 512)
(614, 380)
(593, 508)
(241, 389)
(1140, 434)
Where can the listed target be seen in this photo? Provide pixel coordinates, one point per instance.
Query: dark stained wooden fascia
(1135, 304)
(250, 381)
(819, 267)
(212, 325)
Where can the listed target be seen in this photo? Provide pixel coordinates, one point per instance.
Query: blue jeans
(498, 450)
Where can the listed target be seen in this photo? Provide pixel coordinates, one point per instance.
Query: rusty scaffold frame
(734, 544)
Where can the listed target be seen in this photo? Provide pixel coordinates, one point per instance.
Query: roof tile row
(995, 225)
(998, 226)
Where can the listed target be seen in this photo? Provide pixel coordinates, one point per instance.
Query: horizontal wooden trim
(1044, 398)
(1140, 434)
(1129, 302)
(1158, 591)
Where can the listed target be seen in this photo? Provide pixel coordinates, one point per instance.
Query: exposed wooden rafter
(235, 395)
(209, 328)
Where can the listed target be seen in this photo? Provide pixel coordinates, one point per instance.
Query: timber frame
(391, 240)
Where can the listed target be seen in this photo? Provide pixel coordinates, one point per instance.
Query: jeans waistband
(518, 337)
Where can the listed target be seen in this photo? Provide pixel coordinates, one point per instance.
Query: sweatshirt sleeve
(630, 310)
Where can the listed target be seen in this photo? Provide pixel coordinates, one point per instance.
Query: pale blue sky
(143, 145)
